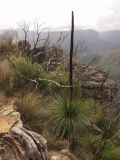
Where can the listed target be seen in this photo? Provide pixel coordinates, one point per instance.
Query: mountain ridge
(95, 41)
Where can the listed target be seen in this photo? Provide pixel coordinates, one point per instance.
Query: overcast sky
(96, 14)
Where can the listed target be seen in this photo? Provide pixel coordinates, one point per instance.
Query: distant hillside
(112, 36)
(95, 41)
(110, 61)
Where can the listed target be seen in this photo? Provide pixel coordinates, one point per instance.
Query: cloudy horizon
(96, 14)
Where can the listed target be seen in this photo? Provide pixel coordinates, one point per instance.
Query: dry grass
(4, 73)
(32, 108)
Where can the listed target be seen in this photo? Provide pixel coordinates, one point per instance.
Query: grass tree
(65, 120)
(65, 111)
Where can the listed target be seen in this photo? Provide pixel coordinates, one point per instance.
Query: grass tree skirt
(16, 142)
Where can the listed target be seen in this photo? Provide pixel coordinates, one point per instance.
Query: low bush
(27, 69)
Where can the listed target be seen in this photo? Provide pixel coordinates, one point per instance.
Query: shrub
(32, 109)
(26, 68)
(110, 152)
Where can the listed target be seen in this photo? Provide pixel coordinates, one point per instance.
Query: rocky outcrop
(96, 83)
(21, 144)
(16, 142)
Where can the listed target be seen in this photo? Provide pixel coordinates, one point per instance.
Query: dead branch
(37, 80)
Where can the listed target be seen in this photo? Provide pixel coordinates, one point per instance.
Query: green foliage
(26, 68)
(32, 109)
(61, 77)
(111, 152)
(70, 117)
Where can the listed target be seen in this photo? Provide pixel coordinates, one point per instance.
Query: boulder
(16, 142)
(97, 83)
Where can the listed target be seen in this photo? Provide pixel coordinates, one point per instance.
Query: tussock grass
(32, 108)
(4, 73)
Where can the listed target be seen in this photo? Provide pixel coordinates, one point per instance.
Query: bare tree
(37, 31)
(42, 48)
(25, 27)
(24, 44)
